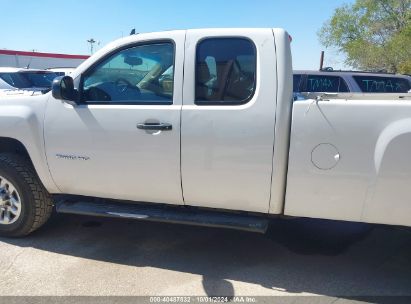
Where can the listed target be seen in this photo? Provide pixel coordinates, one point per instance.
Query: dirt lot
(75, 255)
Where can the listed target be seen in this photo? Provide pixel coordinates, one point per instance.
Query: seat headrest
(203, 73)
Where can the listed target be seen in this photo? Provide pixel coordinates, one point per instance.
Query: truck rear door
(228, 119)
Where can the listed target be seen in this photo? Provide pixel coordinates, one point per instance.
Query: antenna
(91, 41)
(28, 66)
(31, 59)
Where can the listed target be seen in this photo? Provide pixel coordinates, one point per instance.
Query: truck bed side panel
(350, 160)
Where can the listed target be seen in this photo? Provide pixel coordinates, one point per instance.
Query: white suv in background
(61, 71)
(20, 80)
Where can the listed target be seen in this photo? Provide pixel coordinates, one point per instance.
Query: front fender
(22, 119)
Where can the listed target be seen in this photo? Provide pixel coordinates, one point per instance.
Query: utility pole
(91, 41)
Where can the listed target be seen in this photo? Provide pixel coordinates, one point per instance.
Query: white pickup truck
(200, 127)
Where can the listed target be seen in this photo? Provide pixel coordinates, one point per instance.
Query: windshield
(25, 80)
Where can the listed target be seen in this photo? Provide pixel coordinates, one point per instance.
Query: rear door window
(225, 71)
(381, 84)
(325, 83)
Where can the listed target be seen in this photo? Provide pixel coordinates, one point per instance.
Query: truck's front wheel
(25, 204)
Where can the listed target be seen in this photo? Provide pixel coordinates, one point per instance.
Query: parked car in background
(350, 81)
(61, 71)
(32, 80)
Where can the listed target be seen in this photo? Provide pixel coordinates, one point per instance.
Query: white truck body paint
(283, 120)
(21, 118)
(371, 181)
(124, 162)
(343, 157)
(227, 151)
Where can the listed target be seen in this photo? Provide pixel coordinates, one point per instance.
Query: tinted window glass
(40, 79)
(296, 82)
(380, 84)
(142, 75)
(16, 80)
(25, 80)
(225, 71)
(324, 83)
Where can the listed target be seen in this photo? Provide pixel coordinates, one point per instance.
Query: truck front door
(123, 140)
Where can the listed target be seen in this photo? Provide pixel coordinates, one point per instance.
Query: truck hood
(24, 92)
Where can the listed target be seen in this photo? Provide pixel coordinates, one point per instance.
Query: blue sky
(64, 26)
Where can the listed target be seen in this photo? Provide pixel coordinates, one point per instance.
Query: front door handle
(155, 126)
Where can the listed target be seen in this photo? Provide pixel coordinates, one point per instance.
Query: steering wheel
(96, 94)
(123, 84)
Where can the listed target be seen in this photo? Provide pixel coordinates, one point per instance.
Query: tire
(35, 203)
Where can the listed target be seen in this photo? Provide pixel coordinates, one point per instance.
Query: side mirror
(63, 89)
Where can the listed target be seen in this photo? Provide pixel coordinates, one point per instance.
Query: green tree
(373, 34)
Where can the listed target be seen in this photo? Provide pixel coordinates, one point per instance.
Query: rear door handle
(155, 126)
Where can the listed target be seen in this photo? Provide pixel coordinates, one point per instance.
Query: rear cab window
(382, 84)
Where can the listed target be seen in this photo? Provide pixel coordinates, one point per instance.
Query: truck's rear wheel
(25, 204)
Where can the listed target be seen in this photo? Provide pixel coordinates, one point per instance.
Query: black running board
(161, 213)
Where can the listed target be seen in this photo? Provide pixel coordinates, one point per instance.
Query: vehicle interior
(140, 74)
